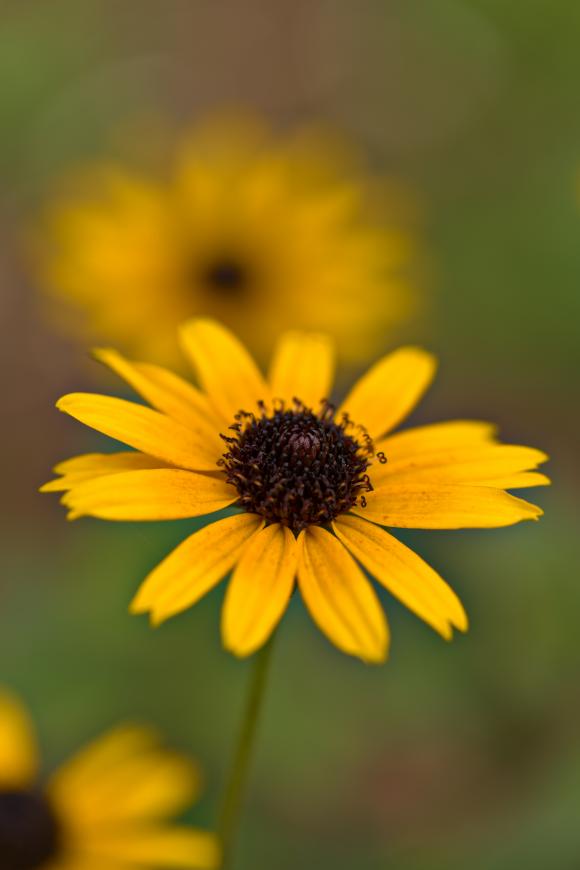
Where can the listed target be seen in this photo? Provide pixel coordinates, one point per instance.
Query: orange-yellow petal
(90, 465)
(154, 846)
(403, 573)
(124, 776)
(339, 598)
(435, 436)
(194, 567)
(224, 368)
(521, 480)
(471, 464)
(156, 494)
(389, 391)
(18, 749)
(142, 428)
(165, 391)
(420, 506)
(303, 367)
(259, 590)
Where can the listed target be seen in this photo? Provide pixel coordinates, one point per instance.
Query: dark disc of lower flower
(29, 831)
(297, 467)
(225, 276)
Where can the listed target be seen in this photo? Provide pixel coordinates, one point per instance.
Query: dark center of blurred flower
(226, 277)
(297, 467)
(29, 832)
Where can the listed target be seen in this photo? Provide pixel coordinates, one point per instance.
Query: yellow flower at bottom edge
(313, 485)
(260, 232)
(105, 809)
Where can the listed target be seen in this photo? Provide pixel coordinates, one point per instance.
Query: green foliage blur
(452, 755)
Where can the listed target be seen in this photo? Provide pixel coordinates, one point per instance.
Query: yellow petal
(340, 599)
(143, 429)
(522, 480)
(18, 749)
(224, 368)
(389, 391)
(90, 465)
(259, 590)
(165, 391)
(107, 463)
(303, 367)
(435, 436)
(100, 756)
(463, 464)
(155, 847)
(403, 573)
(418, 506)
(194, 567)
(124, 776)
(76, 858)
(158, 494)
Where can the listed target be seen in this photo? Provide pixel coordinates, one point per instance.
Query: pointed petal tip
(379, 652)
(137, 607)
(237, 651)
(98, 352)
(156, 617)
(420, 352)
(193, 323)
(377, 657)
(197, 320)
(104, 355)
(459, 619)
(65, 402)
(57, 484)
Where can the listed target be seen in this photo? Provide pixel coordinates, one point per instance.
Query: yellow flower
(105, 809)
(313, 484)
(261, 233)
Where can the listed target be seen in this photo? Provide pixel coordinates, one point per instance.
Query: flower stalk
(231, 809)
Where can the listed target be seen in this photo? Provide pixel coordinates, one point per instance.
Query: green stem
(234, 792)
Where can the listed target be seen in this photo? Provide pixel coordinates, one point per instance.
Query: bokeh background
(452, 755)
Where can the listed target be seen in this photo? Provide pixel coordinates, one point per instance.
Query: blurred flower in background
(299, 469)
(105, 808)
(262, 232)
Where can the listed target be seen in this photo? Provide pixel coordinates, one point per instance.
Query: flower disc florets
(29, 833)
(226, 276)
(297, 467)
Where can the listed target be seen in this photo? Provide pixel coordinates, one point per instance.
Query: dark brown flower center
(226, 276)
(297, 467)
(29, 832)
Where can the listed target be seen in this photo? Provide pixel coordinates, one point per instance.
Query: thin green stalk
(234, 792)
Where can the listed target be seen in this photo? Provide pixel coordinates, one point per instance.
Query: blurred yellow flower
(104, 809)
(261, 233)
(314, 484)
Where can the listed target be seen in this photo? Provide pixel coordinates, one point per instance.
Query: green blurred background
(450, 756)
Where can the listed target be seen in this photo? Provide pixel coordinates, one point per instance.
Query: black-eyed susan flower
(105, 809)
(262, 233)
(313, 485)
